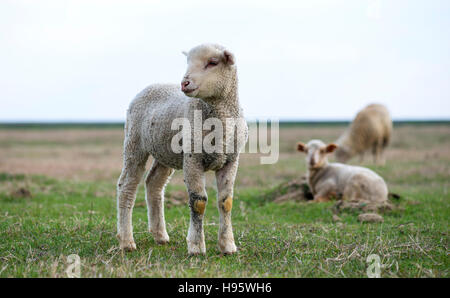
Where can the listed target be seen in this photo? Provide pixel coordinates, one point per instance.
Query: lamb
(371, 129)
(209, 89)
(328, 180)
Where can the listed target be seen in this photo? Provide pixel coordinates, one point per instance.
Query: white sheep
(371, 129)
(328, 180)
(210, 85)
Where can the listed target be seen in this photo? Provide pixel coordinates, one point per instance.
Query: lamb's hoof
(162, 241)
(160, 237)
(193, 254)
(126, 245)
(228, 248)
(195, 249)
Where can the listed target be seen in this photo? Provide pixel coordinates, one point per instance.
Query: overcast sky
(306, 60)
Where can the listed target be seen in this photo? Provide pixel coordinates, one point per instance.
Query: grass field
(57, 197)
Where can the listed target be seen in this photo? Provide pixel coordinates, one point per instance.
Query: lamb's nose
(184, 84)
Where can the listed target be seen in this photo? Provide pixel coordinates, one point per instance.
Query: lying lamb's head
(316, 153)
(211, 72)
(343, 154)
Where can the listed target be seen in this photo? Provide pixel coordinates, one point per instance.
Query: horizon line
(286, 120)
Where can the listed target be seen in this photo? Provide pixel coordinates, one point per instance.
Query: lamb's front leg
(194, 178)
(225, 182)
(325, 190)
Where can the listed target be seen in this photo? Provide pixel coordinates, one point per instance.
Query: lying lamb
(209, 88)
(370, 130)
(328, 180)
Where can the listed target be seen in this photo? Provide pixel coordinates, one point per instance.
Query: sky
(297, 60)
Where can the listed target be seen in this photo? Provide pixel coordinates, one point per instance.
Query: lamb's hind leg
(154, 195)
(132, 172)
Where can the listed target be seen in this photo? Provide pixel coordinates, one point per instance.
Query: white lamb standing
(210, 86)
(327, 180)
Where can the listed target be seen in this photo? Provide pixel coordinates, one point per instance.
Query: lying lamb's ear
(331, 147)
(184, 53)
(229, 57)
(301, 147)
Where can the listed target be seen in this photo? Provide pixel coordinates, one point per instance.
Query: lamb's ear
(228, 57)
(184, 53)
(301, 147)
(331, 147)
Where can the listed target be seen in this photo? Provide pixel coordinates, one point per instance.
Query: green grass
(75, 213)
(274, 240)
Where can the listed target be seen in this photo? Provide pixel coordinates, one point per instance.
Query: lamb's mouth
(189, 91)
(315, 166)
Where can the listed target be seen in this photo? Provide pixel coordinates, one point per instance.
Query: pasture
(57, 197)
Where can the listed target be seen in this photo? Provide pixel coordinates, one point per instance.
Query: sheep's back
(364, 185)
(151, 114)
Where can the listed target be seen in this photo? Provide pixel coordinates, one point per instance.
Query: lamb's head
(316, 153)
(211, 72)
(344, 151)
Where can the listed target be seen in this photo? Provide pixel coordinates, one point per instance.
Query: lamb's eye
(212, 63)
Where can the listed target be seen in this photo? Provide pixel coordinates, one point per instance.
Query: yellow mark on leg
(321, 199)
(199, 206)
(228, 204)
